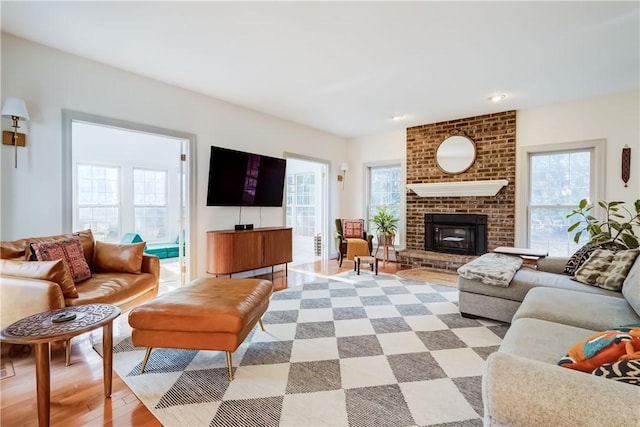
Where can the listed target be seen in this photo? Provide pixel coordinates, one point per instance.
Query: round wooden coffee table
(40, 330)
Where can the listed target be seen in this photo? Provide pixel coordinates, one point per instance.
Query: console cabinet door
(278, 246)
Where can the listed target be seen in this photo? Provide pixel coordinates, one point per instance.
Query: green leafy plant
(617, 229)
(385, 221)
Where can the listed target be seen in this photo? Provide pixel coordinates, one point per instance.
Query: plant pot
(386, 239)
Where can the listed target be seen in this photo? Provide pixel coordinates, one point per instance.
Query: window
(385, 187)
(557, 182)
(150, 204)
(99, 201)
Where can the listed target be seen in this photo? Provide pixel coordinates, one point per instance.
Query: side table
(40, 330)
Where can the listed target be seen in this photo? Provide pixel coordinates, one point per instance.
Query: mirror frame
(469, 156)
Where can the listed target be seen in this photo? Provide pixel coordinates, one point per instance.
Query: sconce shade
(344, 167)
(15, 107)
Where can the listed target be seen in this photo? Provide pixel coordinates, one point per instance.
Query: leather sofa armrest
(517, 391)
(22, 297)
(552, 264)
(151, 264)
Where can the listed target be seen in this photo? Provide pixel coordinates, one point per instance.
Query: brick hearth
(495, 139)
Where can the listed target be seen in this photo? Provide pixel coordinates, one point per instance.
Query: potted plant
(616, 230)
(386, 223)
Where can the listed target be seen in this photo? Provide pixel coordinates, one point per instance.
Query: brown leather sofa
(120, 274)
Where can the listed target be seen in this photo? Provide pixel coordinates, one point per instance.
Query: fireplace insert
(463, 234)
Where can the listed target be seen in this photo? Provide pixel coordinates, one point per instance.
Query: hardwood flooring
(77, 397)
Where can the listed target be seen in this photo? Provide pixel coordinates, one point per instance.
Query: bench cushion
(205, 305)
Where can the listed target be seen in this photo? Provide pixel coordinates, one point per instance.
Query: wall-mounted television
(237, 178)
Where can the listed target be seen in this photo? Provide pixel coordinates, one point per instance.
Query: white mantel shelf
(459, 189)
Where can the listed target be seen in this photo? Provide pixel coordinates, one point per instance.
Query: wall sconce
(344, 167)
(15, 109)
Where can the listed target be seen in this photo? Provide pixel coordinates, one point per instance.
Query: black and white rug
(346, 350)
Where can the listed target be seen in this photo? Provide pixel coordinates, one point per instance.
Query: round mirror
(456, 154)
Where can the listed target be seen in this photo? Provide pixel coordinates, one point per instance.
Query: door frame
(325, 198)
(70, 116)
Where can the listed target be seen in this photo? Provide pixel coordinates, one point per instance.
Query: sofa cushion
(606, 268)
(114, 288)
(603, 347)
(526, 279)
(626, 371)
(118, 258)
(631, 286)
(52, 271)
(70, 250)
(578, 258)
(577, 308)
(541, 340)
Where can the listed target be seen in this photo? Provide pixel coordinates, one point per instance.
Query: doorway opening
(130, 183)
(306, 209)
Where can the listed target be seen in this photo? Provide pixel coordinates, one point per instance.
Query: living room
(52, 80)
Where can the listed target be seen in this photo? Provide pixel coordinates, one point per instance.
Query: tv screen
(237, 178)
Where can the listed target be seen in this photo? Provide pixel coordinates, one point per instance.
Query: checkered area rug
(345, 350)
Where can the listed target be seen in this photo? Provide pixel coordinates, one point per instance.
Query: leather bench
(206, 314)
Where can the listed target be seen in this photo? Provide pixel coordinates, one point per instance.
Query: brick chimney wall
(495, 139)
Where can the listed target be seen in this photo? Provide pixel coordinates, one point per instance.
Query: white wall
(615, 118)
(50, 80)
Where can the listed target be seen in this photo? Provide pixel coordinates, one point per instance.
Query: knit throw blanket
(357, 247)
(492, 269)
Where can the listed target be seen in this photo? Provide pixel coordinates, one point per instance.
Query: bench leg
(229, 366)
(261, 324)
(145, 360)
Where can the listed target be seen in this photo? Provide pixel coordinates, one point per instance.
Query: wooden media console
(231, 251)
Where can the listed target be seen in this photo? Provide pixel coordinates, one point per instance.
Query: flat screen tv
(237, 178)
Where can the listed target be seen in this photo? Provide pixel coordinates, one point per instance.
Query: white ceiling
(347, 67)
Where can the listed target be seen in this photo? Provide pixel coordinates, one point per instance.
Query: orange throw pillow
(122, 258)
(610, 346)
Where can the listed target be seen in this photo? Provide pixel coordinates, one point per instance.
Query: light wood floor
(77, 397)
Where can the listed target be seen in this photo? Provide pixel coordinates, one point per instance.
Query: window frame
(401, 163)
(523, 192)
(78, 205)
(165, 206)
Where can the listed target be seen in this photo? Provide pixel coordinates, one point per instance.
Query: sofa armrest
(151, 264)
(552, 264)
(524, 392)
(22, 297)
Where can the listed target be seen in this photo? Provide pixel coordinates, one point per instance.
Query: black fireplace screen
(464, 234)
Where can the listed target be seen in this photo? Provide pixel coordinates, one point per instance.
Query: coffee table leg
(107, 361)
(43, 381)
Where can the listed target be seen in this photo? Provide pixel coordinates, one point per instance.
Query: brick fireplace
(495, 139)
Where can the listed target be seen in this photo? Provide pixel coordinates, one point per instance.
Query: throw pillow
(70, 250)
(122, 258)
(626, 371)
(606, 269)
(610, 346)
(53, 271)
(578, 258)
(352, 228)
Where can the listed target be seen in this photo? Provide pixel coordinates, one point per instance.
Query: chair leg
(230, 366)
(261, 324)
(145, 360)
(67, 352)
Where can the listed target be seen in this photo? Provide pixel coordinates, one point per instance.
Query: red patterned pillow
(352, 228)
(70, 250)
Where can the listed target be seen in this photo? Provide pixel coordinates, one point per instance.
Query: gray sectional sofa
(549, 313)
(498, 303)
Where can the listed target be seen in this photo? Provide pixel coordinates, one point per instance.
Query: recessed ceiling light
(397, 117)
(497, 98)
